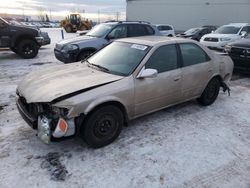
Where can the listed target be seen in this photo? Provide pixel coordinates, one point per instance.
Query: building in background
(184, 14)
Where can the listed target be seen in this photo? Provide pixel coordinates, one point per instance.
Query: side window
(192, 54)
(166, 28)
(163, 59)
(136, 30)
(119, 32)
(244, 29)
(150, 30)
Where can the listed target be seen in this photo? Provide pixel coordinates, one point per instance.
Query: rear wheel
(27, 49)
(102, 126)
(211, 93)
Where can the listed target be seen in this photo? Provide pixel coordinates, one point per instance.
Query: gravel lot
(183, 146)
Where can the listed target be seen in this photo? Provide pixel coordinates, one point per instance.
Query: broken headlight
(69, 48)
(60, 111)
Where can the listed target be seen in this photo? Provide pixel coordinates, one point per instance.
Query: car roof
(151, 40)
(238, 24)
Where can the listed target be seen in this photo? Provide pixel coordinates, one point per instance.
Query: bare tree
(40, 14)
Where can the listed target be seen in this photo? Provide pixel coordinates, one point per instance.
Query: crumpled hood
(77, 40)
(57, 81)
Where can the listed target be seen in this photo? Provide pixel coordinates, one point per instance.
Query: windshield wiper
(98, 66)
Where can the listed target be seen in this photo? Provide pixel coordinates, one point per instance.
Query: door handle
(177, 79)
(210, 70)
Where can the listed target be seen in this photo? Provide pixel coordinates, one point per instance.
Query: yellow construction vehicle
(74, 22)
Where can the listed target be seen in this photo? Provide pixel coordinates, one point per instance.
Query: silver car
(127, 79)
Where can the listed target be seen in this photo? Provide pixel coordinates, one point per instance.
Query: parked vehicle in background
(196, 33)
(74, 22)
(77, 49)
(127, 79)
(166, 30)
(225, 34)
(211, 27)
(239, 51)
(24, 41)
(46, 38)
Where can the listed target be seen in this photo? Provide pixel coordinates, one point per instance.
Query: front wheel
(210, 93)
(27, 49)
(102, 126)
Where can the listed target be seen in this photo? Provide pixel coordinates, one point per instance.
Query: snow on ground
(182, 146)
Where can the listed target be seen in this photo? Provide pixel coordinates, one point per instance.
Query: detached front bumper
(65, 57)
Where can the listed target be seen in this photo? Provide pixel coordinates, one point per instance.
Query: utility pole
(50, 17)
(98, 16)
(117, 16)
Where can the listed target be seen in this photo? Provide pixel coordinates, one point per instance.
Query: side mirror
(110, 37)
(243, 34)
(148, 73)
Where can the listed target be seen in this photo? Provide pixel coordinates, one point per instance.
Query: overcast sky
(107, 8)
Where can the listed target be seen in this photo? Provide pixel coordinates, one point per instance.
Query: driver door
(152, 94)
(118, 32)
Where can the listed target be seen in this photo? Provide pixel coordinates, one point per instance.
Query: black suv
(76, 49)
(239, 51)
(24, 41)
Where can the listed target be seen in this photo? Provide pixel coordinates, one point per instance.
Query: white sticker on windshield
(139, 47)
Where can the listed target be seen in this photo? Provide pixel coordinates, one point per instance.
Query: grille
(30, 108)
(238, 51)
(211, 39)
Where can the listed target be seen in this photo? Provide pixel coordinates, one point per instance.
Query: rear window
(136, 30)
(164, 28)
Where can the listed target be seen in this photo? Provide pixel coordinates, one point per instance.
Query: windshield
(192, 31)
(228, 30)
(100, 30)
(119, 58)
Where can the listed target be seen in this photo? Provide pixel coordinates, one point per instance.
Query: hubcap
(27, 49)
(105, 126)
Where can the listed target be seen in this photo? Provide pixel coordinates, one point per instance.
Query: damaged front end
(49, 120)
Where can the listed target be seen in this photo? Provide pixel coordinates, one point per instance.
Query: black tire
(210, 93)
(170, 35)
(84, 54)
(102, 126)
(68, 28)
(27, 49)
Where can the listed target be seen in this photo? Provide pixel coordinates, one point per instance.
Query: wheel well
(170, 35)
(79, 121)
(219, 78)
(23, 37)
(116, 104)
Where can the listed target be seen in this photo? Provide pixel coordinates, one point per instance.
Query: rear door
(196, 70)
(136, 30)
(165, 89)
(4, 34)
